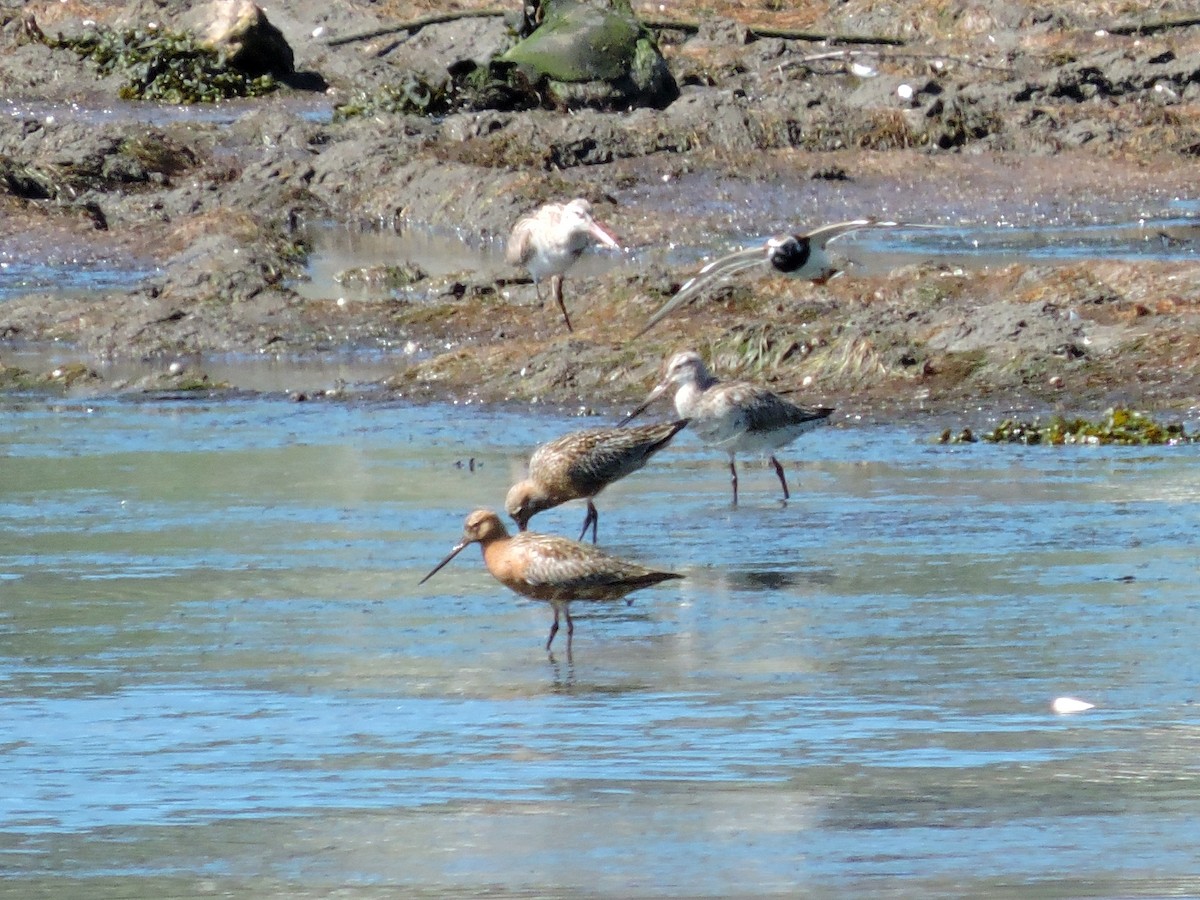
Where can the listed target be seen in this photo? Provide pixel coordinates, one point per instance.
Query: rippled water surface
(219, 673)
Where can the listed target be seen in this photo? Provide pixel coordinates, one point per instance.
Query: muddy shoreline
(1008, 118)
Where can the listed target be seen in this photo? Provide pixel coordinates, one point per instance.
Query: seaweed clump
(468, 88)
(1118, 426)
(166, 66)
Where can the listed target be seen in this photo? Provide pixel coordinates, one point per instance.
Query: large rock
(251, 44)
(596, 53)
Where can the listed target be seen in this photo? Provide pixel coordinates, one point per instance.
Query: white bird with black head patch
(795, 255)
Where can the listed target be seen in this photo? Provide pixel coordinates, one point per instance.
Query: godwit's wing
(773, 412)
(555, 568)
(520, 247)
(605, 455)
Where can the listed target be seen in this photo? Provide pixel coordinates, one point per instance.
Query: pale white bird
(547, 242)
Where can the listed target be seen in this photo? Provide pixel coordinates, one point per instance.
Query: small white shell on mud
(318, 31)
(905, 92)
(862, 70)
(175, 368)
(1064, 705)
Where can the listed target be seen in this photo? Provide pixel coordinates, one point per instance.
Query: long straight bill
(458, 548)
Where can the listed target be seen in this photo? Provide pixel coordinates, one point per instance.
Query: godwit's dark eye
(789, 254)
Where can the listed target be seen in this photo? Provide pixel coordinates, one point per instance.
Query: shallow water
(67, 266)
(219, 674)
(442, 253)
(982, 234)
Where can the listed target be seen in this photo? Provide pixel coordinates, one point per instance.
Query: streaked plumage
(554, 569)
(550, 240)
(580, 465)
(797, 255)
(733, 416)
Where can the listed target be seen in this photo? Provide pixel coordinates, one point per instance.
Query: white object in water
(1063, 705)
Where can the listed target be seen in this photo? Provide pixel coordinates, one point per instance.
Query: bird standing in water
(550, 240)
(549, 568)
(580, 465)
(734, 416)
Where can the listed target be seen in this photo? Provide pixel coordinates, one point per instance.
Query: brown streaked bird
(550, 240)
(733, 415)
(549, 568)
(580, 465)
(796, 255)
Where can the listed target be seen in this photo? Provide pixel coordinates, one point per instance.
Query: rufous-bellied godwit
(550, 240)
(580, 465)
(554, 569)
(797, 255)
(734, 416)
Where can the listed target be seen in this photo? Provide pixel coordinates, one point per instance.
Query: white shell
(1063, 705)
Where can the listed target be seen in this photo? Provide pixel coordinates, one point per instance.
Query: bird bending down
(733, 416)
(580, 465)
(797, 255)
(549, 568)
(550, 240)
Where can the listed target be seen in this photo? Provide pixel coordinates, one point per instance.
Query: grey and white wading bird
(550, 240)
(580, 465)
(553, 569)
(795, 255)
(734, 416)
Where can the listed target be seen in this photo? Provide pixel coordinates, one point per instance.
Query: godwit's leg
(553, 628)
(782, 480)
(733, 478)
(592, 518)
(556, 282)
(570, 627)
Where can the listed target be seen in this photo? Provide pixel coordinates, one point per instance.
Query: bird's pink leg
(556, 292)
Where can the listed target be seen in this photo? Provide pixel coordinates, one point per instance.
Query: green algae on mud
(467, 88)
(165, 66)
(1118, 426)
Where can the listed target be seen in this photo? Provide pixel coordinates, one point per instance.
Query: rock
(596, 54)
(240, 30)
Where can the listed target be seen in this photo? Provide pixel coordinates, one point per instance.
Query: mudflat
(970, 117)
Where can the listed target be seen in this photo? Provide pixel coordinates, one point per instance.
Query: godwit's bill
(796, 255)
(733, 416)
(551, 239)
(579, 465)
(550, 568)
